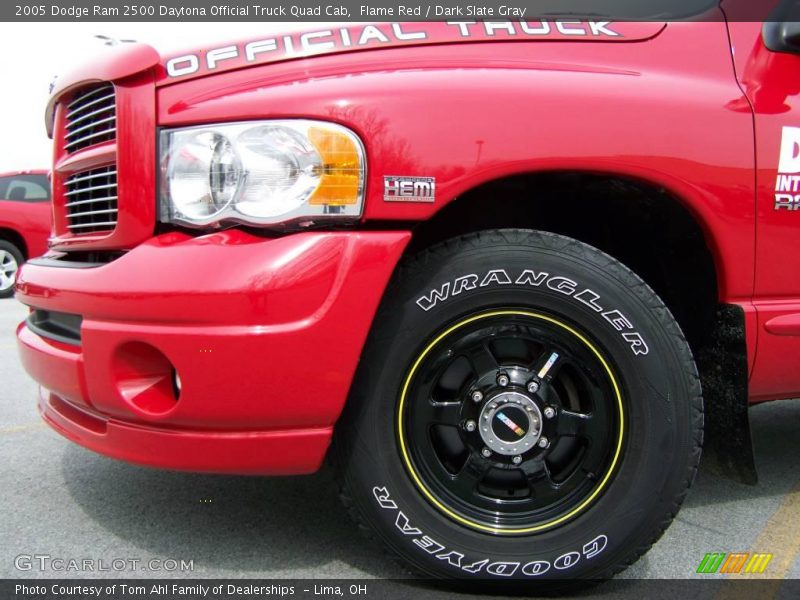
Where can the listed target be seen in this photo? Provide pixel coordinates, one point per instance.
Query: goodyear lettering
(452, 557)
(535, 568)
(382, 496)
(430, 546)
(595, 547)
(401, 522)
(476, 566)
(473, 565)
(502, 569)
(565, 561)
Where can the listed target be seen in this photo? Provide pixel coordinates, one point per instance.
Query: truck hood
(340, 39)
(125, 60)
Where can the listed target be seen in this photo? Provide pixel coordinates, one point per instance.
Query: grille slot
(91, 200)
(91, 118)
(62, 327)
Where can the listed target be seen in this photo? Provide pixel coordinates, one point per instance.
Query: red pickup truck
(486, 267)
(24, 222)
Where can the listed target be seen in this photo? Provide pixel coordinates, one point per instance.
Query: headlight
(261, 173)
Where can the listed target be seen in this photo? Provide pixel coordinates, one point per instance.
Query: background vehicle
(494, 273)
(24, 222)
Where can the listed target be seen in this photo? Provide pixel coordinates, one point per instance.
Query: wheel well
(641, 225)
(15, 238)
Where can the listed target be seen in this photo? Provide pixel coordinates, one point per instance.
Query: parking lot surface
(63, 501)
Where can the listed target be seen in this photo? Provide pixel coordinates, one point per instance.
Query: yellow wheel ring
(474, 524)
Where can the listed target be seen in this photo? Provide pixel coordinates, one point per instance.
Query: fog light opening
(146, 379)
(176, 384)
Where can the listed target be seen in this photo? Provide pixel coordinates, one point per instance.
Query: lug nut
(533, 387)
(477, 396)
(502, 380)
(549, 412)
(543, 442)
(486, 452)
(470, 425)
(516, 460)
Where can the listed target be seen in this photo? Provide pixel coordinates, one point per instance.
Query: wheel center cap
(510, 423)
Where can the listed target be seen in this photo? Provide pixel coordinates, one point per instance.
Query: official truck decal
(531, 278)
(387, 34)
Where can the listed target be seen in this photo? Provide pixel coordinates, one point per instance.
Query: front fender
(661, 110)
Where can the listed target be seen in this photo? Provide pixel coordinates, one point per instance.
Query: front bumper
(264, 336)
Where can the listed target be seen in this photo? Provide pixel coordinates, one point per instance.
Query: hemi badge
(409, 189)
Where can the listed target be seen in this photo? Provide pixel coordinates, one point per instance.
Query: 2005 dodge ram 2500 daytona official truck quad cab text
(489, 264)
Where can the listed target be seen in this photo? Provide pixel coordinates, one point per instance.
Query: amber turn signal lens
(341, 168)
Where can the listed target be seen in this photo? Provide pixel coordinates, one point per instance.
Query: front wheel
(10, 261)
(527, 409)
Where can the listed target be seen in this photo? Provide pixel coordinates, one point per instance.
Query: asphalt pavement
(63, 501)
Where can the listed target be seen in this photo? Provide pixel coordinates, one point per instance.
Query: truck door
(768, 68)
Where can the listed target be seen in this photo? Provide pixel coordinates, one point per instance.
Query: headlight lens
(261, 173)
(203, 175)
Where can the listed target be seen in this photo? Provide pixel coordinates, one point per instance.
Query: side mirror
(782, 36)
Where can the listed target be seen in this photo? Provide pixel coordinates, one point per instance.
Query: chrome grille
(91, 200)
(91, 118)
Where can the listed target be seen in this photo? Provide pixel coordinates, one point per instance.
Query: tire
(10, 261)
(623, 440)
